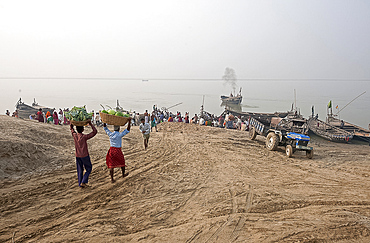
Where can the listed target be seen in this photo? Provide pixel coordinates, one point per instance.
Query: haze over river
(136, 95)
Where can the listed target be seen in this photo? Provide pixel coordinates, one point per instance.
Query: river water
(136, 95)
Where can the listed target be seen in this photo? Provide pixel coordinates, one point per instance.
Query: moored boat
(24, 110)
(358, 132)
(328, 131)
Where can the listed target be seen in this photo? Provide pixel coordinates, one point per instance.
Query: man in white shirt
(145, 129)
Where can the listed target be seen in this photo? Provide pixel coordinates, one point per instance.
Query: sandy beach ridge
(193, 184)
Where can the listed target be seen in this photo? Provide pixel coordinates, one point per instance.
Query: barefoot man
(145, 129)
(82, 154)
(115, 158)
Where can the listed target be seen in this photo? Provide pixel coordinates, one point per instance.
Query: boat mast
(295, 100)
(202, 108)
(351, 102)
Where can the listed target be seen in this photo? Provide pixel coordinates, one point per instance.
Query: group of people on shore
(14, 114)
(53, 117)
(153, 118)
(56, 118)
(227, 121)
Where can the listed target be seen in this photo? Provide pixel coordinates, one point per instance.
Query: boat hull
(327, 131)
(359, 133)
(24, 110)
(232, 100)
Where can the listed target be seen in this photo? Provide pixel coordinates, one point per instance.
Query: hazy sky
(278, 39)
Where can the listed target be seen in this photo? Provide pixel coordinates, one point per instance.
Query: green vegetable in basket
(78, 114)
(111, 112)
(118, 113)
(104, 111)
(126, 115)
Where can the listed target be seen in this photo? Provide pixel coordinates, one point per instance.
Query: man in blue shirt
(115, 158)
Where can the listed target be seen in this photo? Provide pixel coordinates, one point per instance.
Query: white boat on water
(235, 99)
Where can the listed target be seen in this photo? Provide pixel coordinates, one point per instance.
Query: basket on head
(114, 120)
(80, 123)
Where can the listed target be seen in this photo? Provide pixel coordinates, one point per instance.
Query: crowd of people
(152, 118)
(157, 116)
(54, 117)
(147, 123)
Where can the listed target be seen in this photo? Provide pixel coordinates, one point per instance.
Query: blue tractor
(282, 132)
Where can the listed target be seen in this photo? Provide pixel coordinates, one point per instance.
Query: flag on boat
(329, 105)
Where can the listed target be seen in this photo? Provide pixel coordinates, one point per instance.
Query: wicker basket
(114, 120)
(80, 123)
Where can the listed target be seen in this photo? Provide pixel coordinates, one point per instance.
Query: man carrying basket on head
(82, 153)
(115, 158)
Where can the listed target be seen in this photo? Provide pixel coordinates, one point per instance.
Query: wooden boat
(328, 131)
(359, 133)
(24, 110)
(254, 114)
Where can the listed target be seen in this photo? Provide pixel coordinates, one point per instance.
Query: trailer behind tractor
(282, 132)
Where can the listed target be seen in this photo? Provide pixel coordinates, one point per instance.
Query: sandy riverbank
(194, 184)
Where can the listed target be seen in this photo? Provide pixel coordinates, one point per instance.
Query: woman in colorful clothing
(115, 158)
(66, 121)
(50, 119)
(153, 122)
(55, 117)
(40, 117)
(47, 116)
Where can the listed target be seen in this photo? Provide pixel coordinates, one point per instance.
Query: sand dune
(194, 184)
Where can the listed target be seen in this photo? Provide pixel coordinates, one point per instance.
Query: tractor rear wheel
(289, 150)
(272, 141)
(309, 154)
(252, 133)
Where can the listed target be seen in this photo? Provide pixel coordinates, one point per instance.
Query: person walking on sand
(115, 158)
(145, 130)
(82, 153)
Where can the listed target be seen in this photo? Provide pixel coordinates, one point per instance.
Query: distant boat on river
(233, 99)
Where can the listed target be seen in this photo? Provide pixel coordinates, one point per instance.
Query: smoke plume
(230, 78)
